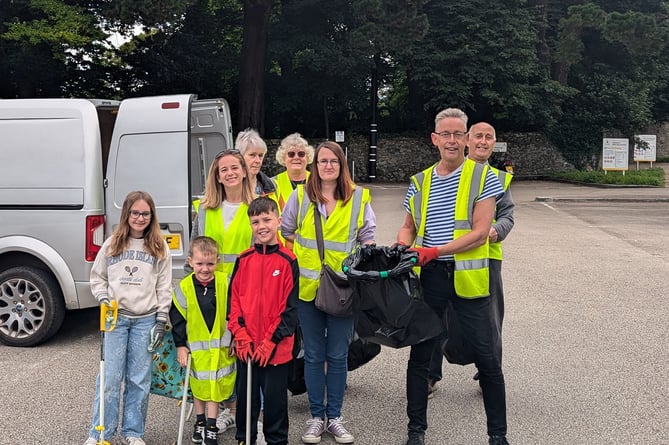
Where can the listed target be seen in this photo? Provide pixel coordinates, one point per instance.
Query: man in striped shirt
(450, 208)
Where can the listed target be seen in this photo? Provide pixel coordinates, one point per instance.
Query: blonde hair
(205, 245)
(214, 191)
(296, 141)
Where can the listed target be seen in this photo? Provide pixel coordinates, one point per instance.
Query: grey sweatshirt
(140, 282)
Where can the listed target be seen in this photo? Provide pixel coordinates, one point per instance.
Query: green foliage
(650, 176)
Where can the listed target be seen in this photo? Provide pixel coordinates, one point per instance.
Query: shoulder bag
(334, 295)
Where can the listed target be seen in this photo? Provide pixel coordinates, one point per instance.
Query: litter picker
(184, 402)
(108, 316)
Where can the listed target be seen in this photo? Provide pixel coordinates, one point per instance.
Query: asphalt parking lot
(586, 338)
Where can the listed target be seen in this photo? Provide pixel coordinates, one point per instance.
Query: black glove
(157, 334)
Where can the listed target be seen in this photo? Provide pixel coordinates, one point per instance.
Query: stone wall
(399, 157)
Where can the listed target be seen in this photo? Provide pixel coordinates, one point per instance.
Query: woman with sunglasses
(347, 221)
(295, 154)
(253, 148)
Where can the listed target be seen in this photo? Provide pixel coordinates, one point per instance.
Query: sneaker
(416, 438)
(198, 432)
(91, 441)
(134, 441)
(314, 431)
(431, 388)
(210, 435)
(498, 440)
(337, 429)
(225, 421)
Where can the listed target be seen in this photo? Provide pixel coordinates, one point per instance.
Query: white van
(66, 166)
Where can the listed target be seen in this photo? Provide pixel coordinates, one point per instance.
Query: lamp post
(371, 170)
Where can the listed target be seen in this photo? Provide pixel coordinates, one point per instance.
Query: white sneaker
(134, 441)
(225, 421)
(91, 441)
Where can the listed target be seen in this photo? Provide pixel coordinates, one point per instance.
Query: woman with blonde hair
(295, 154)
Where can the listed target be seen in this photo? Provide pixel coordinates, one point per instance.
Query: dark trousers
(274, 383)
(496, 318)
(474, 316)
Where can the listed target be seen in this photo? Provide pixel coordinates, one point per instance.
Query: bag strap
(319, 233)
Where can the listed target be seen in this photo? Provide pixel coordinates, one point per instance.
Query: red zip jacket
(262, 298)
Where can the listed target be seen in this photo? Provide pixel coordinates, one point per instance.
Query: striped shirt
(440, 220)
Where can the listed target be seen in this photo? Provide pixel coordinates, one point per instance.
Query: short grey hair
(294, 140)
(249, 138)
(450, 112)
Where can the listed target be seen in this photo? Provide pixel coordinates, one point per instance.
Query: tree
(45, 43)
(252, 64)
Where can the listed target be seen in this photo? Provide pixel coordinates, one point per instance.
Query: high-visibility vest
(231, 241)
(340, 232)
(471, 267)
(284, 188)
(213, 370)
(504, 179)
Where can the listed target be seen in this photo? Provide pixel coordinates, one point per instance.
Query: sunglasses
(300, 154)
(233, 151)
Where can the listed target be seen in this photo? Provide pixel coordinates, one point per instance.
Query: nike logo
(275, 273)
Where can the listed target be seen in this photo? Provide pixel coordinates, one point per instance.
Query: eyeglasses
(136, 214)
(448, 134)
(300, 154)
(324, 162)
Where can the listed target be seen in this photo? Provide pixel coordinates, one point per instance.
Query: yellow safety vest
(340, 232)
(504, 179)
(284, 188)
(231, 241)
(471, 267)
(213, 370)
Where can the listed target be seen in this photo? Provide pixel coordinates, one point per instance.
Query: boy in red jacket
(262, 317)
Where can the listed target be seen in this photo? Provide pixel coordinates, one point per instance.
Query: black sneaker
(416, 438)
(198, 432)
(497, 440)
(211, 435)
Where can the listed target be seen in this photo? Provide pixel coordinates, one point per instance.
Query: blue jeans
(326, 340)
(126, 358)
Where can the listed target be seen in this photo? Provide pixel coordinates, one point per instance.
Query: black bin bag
(388, 306)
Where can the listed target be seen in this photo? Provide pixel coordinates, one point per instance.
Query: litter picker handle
(108, 316)
(184, 400)
(248, 399)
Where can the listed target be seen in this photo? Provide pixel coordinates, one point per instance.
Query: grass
(649, 176)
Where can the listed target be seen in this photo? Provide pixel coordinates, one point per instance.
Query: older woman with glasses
(253, 148)
(347, 220)
(295, 154)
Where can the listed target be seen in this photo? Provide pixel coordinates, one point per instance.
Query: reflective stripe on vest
(231, 241)
(341, 232)
(504, 179)
(471, 267)
(284, 188)
(213, 372)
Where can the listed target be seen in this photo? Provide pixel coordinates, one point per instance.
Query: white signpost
(644, 151)
(615, 155)
(499, 147)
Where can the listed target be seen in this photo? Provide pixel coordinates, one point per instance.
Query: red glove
(426, 254)
(243, 345)
(263, 353)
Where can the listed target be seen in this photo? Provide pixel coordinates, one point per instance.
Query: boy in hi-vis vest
(198, 317)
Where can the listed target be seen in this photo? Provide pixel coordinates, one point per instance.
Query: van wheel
(31, 306)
